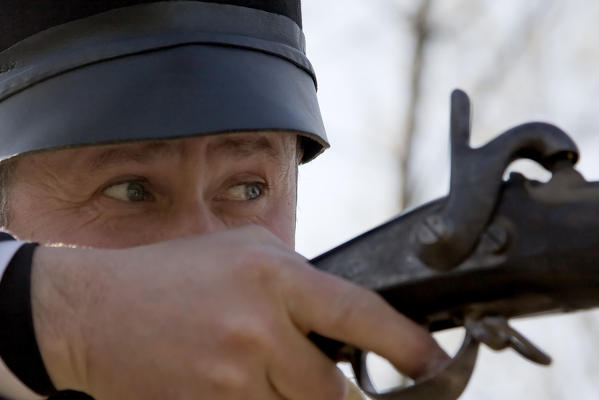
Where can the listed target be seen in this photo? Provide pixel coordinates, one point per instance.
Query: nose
(196, 218)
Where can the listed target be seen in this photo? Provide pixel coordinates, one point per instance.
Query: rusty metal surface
(489, 251)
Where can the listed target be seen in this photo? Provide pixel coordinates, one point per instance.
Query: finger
(343, 311)
(299, 371)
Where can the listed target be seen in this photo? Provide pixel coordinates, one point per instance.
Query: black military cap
(103, 71)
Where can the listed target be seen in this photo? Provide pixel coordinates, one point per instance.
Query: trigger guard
(446, 384)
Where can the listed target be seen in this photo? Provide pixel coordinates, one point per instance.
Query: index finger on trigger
(343, 311)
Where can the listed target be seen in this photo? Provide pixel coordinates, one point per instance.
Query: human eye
(246, 191)
(132, 191)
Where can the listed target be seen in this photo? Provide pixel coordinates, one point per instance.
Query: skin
(192, 186)
(192, 288)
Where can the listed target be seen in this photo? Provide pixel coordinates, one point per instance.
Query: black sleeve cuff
(18, 346)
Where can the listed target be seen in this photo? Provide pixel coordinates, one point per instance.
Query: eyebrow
(243, 147)
(138, 153)
(148, 152)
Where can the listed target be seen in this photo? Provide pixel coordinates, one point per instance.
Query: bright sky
(519, 61)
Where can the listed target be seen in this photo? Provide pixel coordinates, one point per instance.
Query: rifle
(491, 250)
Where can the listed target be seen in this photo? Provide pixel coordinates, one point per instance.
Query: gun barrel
(539, 254)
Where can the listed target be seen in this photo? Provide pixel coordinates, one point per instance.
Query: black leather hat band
(155, 71)
(178, 92)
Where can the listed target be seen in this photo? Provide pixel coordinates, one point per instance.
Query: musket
(493, 249)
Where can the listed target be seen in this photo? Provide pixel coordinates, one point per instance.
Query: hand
(222, 316)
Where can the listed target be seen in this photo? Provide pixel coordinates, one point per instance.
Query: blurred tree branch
(420, 29)
(514, 46)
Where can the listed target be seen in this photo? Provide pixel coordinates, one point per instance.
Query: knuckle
(263, 232)
(256, 265)
(342, 310)
(258, 232)
(226, 378)
(247, 334)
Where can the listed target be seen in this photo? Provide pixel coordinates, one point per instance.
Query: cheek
(280, 219)
(46, 224)
(49, 227)
(51, 221)
(36, 216)
(99, 232)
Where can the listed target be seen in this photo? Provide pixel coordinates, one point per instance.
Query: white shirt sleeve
(10, 386)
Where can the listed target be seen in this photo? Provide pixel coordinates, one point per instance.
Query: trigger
(447, 384)
(495, 332)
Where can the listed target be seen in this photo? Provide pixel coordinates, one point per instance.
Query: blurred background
(386, 69)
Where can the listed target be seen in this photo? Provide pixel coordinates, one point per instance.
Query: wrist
(58, 279)
(18, 345)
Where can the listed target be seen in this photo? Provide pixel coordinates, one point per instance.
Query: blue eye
(252, 191)
(245, 191)
(127, 191)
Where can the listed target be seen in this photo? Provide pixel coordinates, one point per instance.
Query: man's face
(131, 194)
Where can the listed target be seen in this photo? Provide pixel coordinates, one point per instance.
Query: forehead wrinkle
(137, 153)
